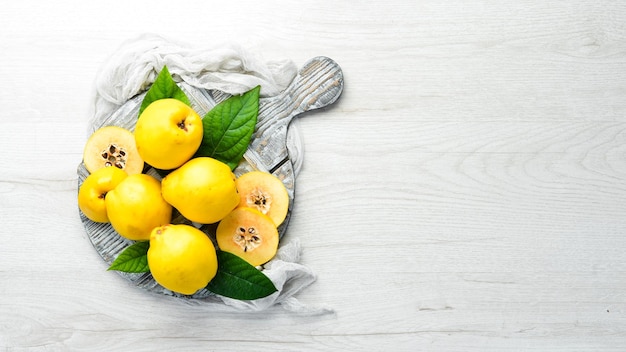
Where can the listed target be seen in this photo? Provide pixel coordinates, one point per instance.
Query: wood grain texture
(466, 193)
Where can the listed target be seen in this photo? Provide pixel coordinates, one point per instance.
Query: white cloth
(231, 69)
(289, 277)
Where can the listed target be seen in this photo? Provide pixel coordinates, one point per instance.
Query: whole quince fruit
(203, 190)
(93, 191)
(168, 133)
(136, 206)
(181, 258)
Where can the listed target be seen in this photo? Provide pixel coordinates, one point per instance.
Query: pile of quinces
(182, 258)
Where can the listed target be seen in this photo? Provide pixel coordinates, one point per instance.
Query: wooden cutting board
(317, 84)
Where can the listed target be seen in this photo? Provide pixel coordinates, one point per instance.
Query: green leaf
(134, 259)
(229, 126)
(163, 87)
(237, 279)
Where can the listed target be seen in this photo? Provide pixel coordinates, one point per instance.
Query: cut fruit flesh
(249, 234)
(265, 193)
(112, 146)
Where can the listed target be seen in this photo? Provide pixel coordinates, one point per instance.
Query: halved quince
(112, 146)
(249, 234)
(265, 193)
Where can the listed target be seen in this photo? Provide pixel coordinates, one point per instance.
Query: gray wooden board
(318, 83)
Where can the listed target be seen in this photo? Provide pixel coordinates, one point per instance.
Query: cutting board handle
(318, 84)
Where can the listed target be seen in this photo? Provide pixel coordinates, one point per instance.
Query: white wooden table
(466, 193)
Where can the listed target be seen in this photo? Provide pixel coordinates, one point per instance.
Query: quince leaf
(237, 279)
(163, 87)
(134, 259)
(229, 126)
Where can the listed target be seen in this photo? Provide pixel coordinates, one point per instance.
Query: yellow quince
(168, 133)
(136, 206)
(181, 258)
(203, 190)
(93, 191)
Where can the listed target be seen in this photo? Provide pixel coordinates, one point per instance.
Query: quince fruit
(112, 146)
(92, 192)
(181, 258)
(265, 193)
(248, 234)
(203, 190)
(136, 206)
(168, 133)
